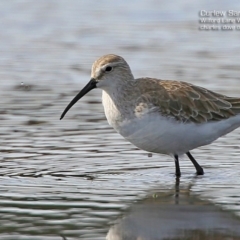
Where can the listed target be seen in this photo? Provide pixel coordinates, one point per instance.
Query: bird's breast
(121, 113)
(112, 112)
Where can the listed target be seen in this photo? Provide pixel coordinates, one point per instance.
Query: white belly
(158, 134)
(155, 133)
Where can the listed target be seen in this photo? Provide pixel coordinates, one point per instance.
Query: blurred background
(78, 179)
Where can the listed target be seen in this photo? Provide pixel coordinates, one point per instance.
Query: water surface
(79, 179)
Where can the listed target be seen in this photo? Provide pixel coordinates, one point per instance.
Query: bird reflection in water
(175, 214)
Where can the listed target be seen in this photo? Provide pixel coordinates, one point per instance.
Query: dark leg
(177, 167)
(199, 169)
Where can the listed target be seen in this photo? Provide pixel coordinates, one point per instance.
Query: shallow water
(77, 178)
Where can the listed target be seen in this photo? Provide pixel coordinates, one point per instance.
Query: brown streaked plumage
(186, 102)
(161, 116)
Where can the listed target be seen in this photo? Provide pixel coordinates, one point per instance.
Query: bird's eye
(108, 69)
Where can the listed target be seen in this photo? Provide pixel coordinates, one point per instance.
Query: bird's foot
(200, 171)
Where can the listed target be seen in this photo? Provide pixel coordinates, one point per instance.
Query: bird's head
(108, 73)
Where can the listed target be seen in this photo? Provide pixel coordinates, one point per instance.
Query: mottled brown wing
(189, 103)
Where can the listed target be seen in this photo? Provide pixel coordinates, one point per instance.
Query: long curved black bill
(91, 85)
